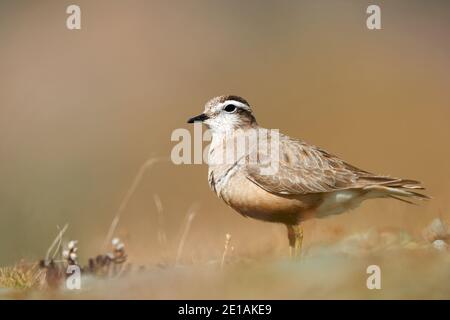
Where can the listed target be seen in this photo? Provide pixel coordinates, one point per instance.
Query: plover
(309, 182)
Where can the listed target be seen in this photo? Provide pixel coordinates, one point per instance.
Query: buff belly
(252, 201)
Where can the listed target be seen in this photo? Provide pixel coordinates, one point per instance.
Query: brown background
(80, 111)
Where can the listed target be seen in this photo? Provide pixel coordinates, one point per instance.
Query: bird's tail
(399, 189)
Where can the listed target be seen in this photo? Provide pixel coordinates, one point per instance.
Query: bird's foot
(295, 235)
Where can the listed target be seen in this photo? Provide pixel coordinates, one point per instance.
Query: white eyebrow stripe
(236, 103)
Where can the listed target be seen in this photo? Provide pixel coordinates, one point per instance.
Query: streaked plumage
(309, 182)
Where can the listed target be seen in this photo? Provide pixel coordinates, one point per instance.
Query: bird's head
(226, 113)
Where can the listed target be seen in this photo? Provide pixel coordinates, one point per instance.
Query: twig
(56, 241)
(55, 252)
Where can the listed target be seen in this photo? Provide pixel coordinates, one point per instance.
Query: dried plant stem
(55, 242)
(190, 215)
(126, 199)
(55, 252)
(226, 248)
(162, 238)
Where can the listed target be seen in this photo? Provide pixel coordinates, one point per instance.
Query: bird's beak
(200, 118)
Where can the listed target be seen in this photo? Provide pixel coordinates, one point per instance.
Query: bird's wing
(304, 169)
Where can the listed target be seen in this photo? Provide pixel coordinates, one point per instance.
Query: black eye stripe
(230, 108)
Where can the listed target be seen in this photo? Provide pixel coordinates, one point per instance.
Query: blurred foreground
(410, 269)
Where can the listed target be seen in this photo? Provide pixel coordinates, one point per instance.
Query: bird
(309, 182)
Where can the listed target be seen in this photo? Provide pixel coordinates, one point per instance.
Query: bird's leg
(295, 236)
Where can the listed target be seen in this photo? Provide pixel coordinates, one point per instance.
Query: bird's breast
(250, 200)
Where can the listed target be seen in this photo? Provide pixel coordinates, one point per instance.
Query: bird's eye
(230, 108)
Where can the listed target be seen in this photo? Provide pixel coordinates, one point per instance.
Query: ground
(410, 269)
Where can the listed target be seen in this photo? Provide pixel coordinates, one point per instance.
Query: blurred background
(81, 111)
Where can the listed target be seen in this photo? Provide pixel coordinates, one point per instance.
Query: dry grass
(411, 269)
(190, 215)
(131, 190)
(21, 276)
(227, 248)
